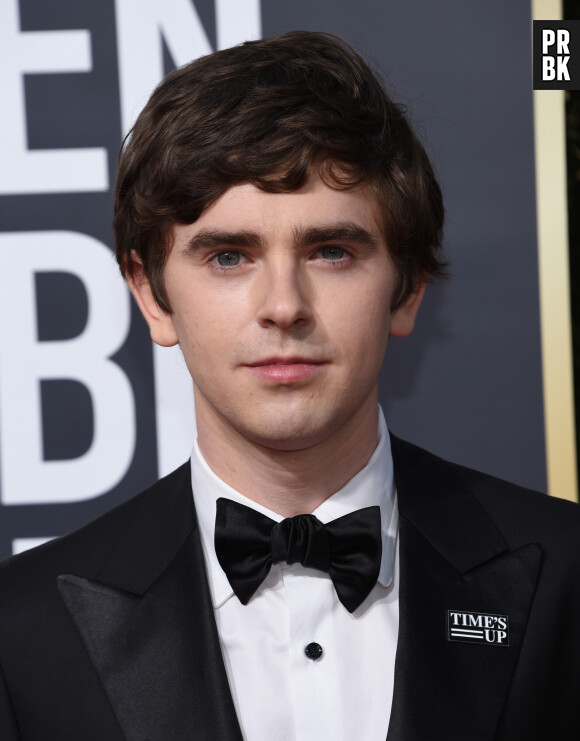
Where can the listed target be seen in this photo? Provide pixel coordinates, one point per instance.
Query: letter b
(548, 68)
(26, 478)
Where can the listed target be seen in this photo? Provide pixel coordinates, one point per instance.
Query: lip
(286, 370)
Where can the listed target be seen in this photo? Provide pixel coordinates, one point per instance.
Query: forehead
(315, 203)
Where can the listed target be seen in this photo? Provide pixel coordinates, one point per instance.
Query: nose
(284, 296)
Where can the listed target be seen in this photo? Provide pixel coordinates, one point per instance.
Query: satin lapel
(452, 557)
(155, 646)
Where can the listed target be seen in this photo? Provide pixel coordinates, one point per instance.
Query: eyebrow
(302, 237)
(341, 232)
(210, 238)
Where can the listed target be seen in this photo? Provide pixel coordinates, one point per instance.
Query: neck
(289, 482)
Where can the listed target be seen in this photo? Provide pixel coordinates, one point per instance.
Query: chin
(288, 445)
(289, 434)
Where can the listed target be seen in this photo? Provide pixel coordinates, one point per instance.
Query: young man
(307, 576)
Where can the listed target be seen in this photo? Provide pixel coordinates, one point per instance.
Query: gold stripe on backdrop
(555, 317)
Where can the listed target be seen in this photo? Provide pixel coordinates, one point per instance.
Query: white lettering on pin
(478, 627)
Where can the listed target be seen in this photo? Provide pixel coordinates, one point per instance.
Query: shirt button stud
(313, 651)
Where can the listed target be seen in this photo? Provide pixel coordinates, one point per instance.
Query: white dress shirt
(280, 694)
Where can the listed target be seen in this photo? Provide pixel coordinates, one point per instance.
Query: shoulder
(130, 526)
(520, 514)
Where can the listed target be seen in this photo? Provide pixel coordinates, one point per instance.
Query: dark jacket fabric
(108, 634)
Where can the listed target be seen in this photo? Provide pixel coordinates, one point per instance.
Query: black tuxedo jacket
(108, 634)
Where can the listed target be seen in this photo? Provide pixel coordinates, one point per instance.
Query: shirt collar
(372, 485)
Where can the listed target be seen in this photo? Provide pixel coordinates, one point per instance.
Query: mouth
(286, 370)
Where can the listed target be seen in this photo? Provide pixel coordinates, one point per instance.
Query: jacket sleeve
(8, 726)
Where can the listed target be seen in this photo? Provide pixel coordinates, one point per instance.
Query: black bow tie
(349, 548)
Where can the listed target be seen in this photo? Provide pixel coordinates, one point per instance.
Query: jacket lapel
(452, 558)
(147, 623)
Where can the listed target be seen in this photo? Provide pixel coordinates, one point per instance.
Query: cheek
(366, 313)
(200, 337)
(196, 309)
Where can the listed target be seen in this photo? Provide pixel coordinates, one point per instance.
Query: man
(307, 576)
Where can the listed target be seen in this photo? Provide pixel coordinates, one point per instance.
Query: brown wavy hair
(271, 112)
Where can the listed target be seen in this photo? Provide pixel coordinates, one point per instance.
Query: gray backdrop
(466, 384)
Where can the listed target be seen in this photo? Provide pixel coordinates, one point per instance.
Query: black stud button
(313, 651)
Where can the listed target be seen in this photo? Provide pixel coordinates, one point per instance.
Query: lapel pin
(478, 627)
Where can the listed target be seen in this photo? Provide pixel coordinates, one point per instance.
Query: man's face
(281, 306)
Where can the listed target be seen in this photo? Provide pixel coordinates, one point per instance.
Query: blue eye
(332, 253)
(228, 259)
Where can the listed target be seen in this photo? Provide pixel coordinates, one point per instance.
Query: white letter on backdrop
(43, 170)
(24, 361)
(141, 24)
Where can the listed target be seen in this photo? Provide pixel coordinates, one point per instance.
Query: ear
(160, 323)
(403, 318)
